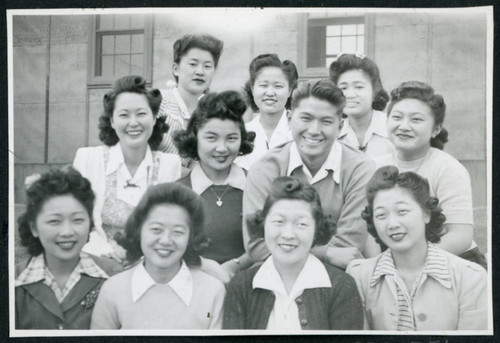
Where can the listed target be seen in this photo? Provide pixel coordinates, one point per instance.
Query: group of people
(318, 211)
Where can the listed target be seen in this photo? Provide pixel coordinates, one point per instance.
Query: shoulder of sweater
(185, 181)
(120, 281)
(353, 156)
(336, 274)
(276, 160)
(205, 280)
(447, 161)
(244, 278)
(458, 266)
(362, 268)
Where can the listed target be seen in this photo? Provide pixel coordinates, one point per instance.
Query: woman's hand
(216, 270)
(340, 257)
(231, 267)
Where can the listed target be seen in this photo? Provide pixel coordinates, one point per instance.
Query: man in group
(337, 172)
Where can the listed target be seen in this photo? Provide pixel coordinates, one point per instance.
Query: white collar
(200, 181)
(116, 159)
(332, 162)
(377, 126)
(181, 284)
(312, 275)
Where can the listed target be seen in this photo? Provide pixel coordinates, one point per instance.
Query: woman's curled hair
(226, 105)
(131, 84)
(57, 182)
(388, 177)
(290, 188)
(166, 194)
(270, 60)
(425, 93)
(353, 62)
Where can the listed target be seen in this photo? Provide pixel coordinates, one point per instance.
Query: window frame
(369, 43)
(101, 81)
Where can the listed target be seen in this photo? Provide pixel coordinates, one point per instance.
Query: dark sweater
(327, 308)
(223, 224)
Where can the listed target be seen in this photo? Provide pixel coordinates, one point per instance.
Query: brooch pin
(89, 300)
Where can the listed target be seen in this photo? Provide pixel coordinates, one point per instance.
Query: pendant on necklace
(219, 203)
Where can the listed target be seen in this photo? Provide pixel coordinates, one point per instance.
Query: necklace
(219, 198)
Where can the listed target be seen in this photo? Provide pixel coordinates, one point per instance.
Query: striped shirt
(37, 271)
(435, 266)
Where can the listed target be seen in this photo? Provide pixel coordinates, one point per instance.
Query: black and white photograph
(250, 171)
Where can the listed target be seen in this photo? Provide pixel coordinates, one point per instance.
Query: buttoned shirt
(181, 283)
(285, 313)
(376, 141)
(261, 144)
(37, 270)
(332, 163)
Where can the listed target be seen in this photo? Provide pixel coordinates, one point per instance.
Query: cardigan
(458, 302)
(329, 308)
(38, 308)
(343, 201)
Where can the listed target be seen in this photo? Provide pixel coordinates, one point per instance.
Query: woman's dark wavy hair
(290, 188)
(425, 93)
(131, 84)
(57, 182)
(321, 89)
(204, 42)
(172, 194)
(270, 60)
(226, 105)
(351, 61)
(388, 177)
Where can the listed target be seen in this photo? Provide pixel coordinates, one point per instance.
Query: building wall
(51, 57)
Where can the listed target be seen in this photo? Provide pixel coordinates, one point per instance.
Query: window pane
(348, 44)
(122, 21)
(105, 22)
(348, 30)
(316, 46)
(137, 21)
(137, 65)
(332, 45)
(107, 66)
(137, 43)
(361, 29)
(108, 45)
(122, 44)
(122, 65)
(361, 44)
(333, 30)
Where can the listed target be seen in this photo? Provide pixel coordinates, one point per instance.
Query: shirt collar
(377, 126)
(332, 162)
(181, 284)
(312, 275)
(116, 159)
(35, 271)
(435, 266)
(200, 181)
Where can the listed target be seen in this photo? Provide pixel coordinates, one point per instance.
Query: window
(121, 45)
(325, 37)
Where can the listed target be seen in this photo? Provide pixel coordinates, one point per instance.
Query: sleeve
(217, 310)
(351, 228)
(346, 310)
(234, 307)
(170, 168)
(354, 270)
(258, 185)
(473, 299)
(105, 314)
(454, 192)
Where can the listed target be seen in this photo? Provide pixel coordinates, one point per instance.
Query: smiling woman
(122, 170)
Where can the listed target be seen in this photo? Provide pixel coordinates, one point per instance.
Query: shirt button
(298, 301)
(303, 322)
(422, 317)
(60, 327)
